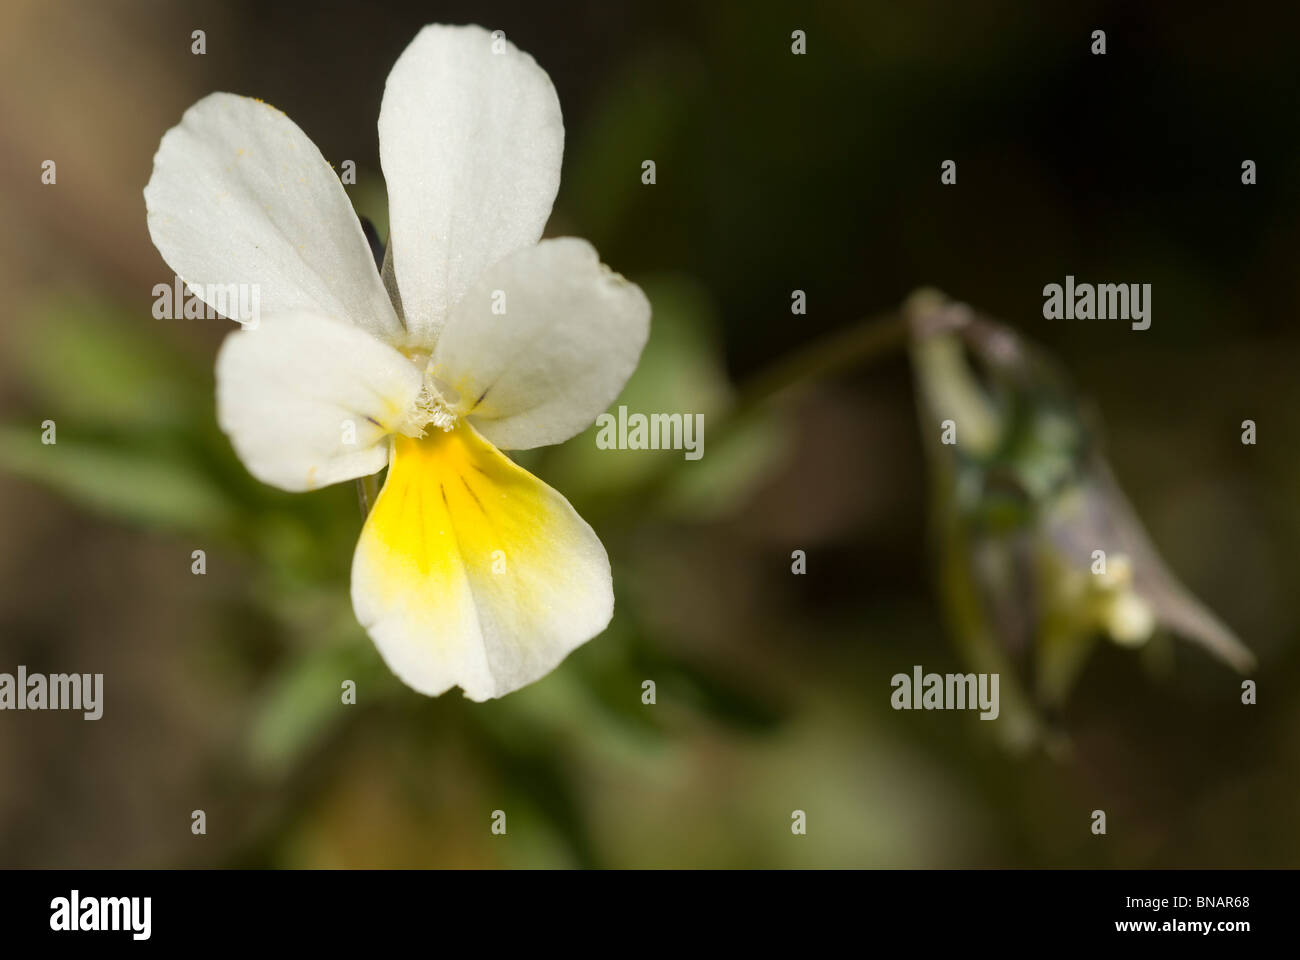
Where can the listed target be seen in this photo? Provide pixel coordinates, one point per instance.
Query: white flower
(469, 570)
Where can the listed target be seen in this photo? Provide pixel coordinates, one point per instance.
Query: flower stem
(867, 339)
(870, 338)
(367, 490)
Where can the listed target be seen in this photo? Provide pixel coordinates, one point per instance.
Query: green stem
(367, 491)
(870, 338)
(867, 339)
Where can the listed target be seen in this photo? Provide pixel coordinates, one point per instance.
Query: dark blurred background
(774, 172)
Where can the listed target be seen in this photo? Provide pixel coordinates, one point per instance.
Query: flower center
(434, 405)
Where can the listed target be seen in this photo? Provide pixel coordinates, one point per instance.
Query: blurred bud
(1040, 553)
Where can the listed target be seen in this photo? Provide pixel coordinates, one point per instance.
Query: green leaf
(137, 486)
(303, 704)
(91, 362)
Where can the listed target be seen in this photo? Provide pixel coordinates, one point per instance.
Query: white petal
(239, 195)
(561, 352)
(471, 572)
(471, 143)
(308, 401)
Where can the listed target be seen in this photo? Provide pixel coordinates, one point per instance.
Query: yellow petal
(471, 572)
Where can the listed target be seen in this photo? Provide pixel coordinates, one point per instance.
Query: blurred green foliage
(774, 173)
(137, 442)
